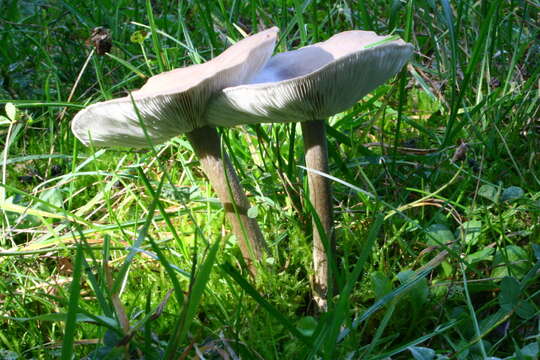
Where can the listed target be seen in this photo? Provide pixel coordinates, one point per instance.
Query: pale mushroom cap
(173, 102)
(313, 82)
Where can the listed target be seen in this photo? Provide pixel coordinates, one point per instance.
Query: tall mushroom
(309, 85)
(175, 102)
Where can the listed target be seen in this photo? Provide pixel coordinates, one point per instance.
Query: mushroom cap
(172, 102)
(313, 82)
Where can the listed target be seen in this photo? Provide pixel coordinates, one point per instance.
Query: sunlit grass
(437, 253)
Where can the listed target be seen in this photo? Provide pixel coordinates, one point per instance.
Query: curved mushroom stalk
(175, 102)
(206, 143)
(306, 85)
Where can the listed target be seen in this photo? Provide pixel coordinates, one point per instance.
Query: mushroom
(308, 85)
(175, 102)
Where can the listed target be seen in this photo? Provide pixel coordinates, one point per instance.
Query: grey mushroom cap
(173, 102)
(313, 82)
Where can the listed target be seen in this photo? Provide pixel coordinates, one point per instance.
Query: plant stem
(206, 143)
(320, 197)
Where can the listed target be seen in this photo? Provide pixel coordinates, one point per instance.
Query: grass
(123, 254)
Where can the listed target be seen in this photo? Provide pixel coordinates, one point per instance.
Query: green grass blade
(197, 288)
(73, 306)
(155, 41)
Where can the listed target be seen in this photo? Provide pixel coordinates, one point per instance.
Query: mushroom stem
(320, 196)
(206, 143)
